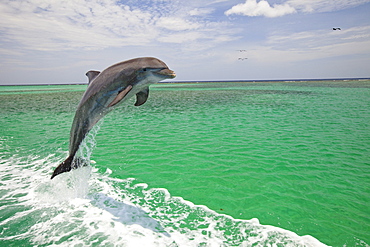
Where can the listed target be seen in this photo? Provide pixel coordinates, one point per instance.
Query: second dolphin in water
(113, 85)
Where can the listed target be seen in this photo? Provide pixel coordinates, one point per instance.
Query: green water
(295, 156)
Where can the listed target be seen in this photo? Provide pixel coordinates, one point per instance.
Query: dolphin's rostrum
(113, 85)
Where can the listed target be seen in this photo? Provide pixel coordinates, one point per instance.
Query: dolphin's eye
(144, 69)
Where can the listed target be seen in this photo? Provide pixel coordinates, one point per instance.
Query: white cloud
(54, 25)
(181, 37)
(324, 5)
(176, 24)
(208, 36)
(200, 11)
(261, 8)
(63, 25)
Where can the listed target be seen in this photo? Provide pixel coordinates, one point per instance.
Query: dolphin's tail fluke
(65, 166)
(70, 163)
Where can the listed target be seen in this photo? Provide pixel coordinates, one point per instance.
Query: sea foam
(85, 207)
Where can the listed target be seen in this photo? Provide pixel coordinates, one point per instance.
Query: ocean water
(200, 164)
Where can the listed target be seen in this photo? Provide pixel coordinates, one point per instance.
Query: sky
(58, 41)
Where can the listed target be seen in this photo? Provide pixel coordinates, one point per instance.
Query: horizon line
(206, 81)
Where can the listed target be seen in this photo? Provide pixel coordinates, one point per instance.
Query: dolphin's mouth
(167, 73)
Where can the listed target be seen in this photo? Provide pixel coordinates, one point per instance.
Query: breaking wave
(87, 207)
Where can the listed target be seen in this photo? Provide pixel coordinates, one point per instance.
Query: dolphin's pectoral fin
(120, 96)
(142, 96)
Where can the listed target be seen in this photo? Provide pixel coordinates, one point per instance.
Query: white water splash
(86, 208)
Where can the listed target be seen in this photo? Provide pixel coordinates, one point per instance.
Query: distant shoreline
(200, 81)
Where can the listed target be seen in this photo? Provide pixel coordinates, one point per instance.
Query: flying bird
(336, 28)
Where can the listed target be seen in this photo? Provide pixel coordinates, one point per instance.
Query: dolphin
(105, 91)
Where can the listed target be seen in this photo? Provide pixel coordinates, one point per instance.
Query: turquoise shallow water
(201, 164)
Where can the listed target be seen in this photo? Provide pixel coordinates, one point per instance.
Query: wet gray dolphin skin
(113, 85)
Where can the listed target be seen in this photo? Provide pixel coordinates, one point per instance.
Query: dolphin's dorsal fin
(142, 96)
(92, 74)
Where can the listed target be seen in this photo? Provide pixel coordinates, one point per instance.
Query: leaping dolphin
(113, 85)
